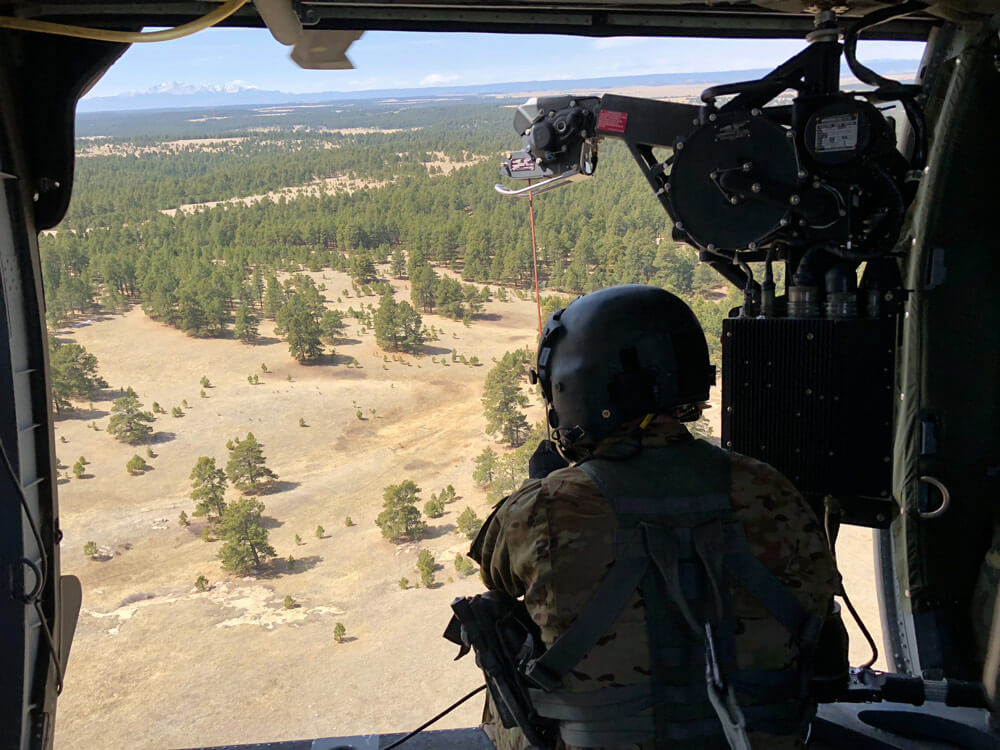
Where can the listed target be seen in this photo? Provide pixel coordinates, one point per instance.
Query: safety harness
(677, 544)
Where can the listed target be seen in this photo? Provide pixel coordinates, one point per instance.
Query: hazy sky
(385, 59)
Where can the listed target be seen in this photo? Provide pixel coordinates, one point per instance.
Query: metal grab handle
(539, 187)
(945, 499)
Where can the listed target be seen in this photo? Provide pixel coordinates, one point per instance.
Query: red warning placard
(613, 122)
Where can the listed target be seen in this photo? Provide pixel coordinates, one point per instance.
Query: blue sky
(384, 59)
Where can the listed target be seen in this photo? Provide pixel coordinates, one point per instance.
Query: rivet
(713, 117)
(810, 336)
(794, 200)
(606, 414)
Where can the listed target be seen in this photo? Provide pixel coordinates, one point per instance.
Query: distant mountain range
(175, 95)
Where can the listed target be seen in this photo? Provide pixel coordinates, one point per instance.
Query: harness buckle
(540, 676)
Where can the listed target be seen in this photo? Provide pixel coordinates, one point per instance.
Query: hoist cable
(224, 11)
(534, 258)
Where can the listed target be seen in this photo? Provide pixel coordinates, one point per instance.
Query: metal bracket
(540, 187)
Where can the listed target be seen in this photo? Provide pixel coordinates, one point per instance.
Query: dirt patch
(315, 188)
(166, 147)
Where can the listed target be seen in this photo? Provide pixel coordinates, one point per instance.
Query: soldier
(679, 588)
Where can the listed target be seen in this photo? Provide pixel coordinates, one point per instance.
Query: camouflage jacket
(552, 540)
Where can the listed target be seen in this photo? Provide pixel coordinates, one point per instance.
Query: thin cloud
(437, 79)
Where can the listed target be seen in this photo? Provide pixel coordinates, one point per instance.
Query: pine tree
(426, 565)
(397, 326)
(246, 545)
(246, 467)
(74, 374)
(398, 263)
(503, 399)
(129, 423)
(485, 471)
(246, 325)
(434, 508)
(469, 523)
(208, 488)
(299, 324)
(136, 465)
(400, 518)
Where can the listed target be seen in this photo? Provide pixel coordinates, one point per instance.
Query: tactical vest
(678, 544)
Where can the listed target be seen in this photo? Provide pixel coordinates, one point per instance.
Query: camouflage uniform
(552, 541)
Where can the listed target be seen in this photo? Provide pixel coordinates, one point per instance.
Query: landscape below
(341, 296)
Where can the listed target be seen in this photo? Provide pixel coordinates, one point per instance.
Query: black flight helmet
(617, 355)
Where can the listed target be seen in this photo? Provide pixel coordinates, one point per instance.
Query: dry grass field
(156, 663)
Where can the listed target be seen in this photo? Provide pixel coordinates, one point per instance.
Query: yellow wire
(221, 13)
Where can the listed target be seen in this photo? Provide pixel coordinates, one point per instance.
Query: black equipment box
(813, 398)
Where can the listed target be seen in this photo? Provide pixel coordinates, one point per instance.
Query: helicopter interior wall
(947, 393)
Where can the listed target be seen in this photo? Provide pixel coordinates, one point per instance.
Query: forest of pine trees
(216, 272)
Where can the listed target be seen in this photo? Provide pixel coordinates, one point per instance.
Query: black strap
(606, 603)
(762, 584)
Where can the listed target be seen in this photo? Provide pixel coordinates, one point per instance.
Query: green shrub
(136, 465)
(201, 583)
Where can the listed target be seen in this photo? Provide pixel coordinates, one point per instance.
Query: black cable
(43, 574)
(27, 512)
(843, 592)
(427, 723)
(864, 73)
(861, 626)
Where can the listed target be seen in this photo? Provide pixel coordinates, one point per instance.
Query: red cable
(534, 259)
